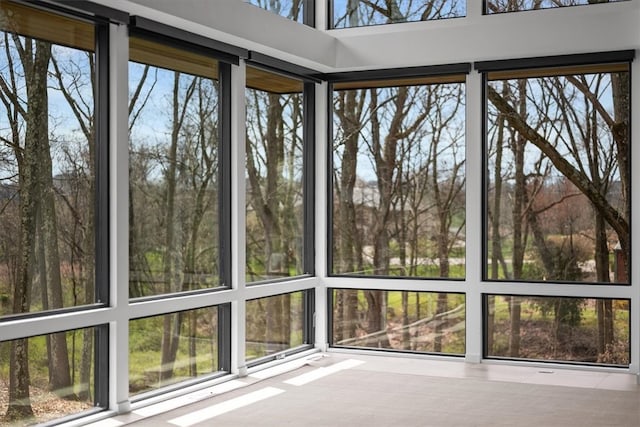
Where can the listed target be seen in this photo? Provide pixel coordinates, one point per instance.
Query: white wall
(476, 37)
(583, 29)
(243, 25)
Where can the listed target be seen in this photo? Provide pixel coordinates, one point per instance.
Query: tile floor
(338, 389)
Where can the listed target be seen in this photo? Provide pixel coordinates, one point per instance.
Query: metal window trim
(308, 178)
(577, 59)
(225, 215)
(224, 337)
(84, 7)
(102, 220)
(309, 13)
(101, 366)
(102, 118)
(79, 9)
(330, 189)
(309, 327)
(279, 66)
(399, 73)
(330, 294)
(484, 208)
(331, 25)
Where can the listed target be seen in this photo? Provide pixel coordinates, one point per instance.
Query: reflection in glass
(292, 9)
(173, 170)
(358, 13)
(274, 324)
(558, 178)
(171, 348)
(498, 6)
(399, 180)
(425, 322)
(58, 375)
(274, 161)
(586, 330)
(47, 205)
(47, 165)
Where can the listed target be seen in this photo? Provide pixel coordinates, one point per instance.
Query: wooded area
(47, 178)
(557, 204)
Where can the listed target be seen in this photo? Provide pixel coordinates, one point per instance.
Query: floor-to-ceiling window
(557, 203)
(398, 209)
(279, 206)
(178, 220)
(51, 140)
(550, 194)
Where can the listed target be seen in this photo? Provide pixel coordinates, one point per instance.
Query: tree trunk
(349, 248)
(406, 335)
(275, 164)
(376, 316)
(441, 307)
(59, 369)
(514, 337)
(166, 370)
(193, 334)
(519, 237)
(621, 107)
(604, 307)
(613, 216)
(171, 258)
(30, 176)
(348, 112)
(518, 147)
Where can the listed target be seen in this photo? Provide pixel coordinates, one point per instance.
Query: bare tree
(34, 57)
(373, 12)
(348, 109)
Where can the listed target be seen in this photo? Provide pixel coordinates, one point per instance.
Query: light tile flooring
(338, 389)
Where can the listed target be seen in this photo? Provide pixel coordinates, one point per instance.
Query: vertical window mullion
(101, 366)
(309, 177)
(102, 259)
(330, 187)
(308, 329)
(224, 337)
(102, 164)
(309, 13)
(224, 181)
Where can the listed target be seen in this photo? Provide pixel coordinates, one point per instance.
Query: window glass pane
(292, 9)
(54, 379)
(274, 324)
(47, 168)
(173, 170)
(171, 348)
(585, 330)
(558, 177)
(425, 322)
(274, 162)
(358, 13)
(399, 181)
(498, 6)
